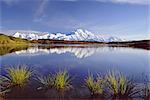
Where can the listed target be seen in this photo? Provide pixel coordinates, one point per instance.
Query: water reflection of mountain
(79, 52)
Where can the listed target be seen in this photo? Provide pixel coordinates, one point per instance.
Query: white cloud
(40, 14)
(10, 2)
(141, 2)
(11, 32)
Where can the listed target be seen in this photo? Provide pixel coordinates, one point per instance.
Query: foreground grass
(112, 85)
(94, 86)
(18, 75)
(61, 81)
(119, 86)
(46, 81)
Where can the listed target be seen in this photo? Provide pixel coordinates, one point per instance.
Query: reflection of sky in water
(79, 60)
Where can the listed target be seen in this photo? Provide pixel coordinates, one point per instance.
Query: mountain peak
(77, 35)
(79, 30)
(82, 30)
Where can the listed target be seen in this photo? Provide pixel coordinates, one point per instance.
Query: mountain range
(77, 35)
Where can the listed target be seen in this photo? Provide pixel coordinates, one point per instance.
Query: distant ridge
(9, 40)
(77, 35)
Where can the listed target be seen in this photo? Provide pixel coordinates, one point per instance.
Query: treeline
(144, 44)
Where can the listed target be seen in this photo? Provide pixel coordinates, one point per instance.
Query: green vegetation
(95, 86)
(119, 86)
(112, 85)
(61, 80)
(16, 76)
(9, 40)
(19, 75)
(10, 44)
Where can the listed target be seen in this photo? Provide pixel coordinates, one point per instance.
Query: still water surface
(78, 60)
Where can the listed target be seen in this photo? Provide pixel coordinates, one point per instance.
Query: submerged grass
(4, 85)
(119, 86)
(145, 92)
(46, 81)
(145, 88)
(19, 75)
(94, 86)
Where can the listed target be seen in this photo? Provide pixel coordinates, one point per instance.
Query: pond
(79, 60)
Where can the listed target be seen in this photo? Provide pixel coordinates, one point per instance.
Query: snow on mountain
(113, 39)
(78, 35)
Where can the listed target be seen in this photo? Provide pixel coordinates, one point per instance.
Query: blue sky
(123, 18)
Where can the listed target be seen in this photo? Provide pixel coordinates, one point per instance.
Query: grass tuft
(119, 86)
(46, 81)
(95, 86)
(61, 80)
(19, 75)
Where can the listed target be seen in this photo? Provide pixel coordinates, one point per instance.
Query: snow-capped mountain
(78, 35)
